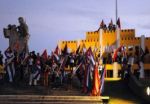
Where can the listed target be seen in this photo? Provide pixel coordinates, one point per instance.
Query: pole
(116, 11)
(117, 28)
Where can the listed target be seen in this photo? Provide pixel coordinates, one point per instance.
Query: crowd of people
(35, 69)
(56, 69)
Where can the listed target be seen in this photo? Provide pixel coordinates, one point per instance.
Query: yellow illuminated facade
(109, 37)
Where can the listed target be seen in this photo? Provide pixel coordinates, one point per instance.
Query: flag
(44, 55)
(65, 51)
(63, 62)
(102, 80)
(118, 23)
(90, 55)
(87, 85)
(102, 24)
(56, 53)
(116, 53)
(95, 51)
(83, 48)
(96, 82)
(88, 79)
(78, 49)
(111, 22)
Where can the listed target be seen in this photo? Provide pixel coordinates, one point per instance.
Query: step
(39, 99)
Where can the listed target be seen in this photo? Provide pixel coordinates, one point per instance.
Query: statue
(22, 28)
(18, 36)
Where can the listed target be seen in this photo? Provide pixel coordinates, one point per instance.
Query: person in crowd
(71, 64)
(34, 57)
(1, 66)
(1, 58)
(35, 74)
(10, 64)
(46, 75)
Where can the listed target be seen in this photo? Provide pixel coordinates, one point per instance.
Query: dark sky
(52, 20)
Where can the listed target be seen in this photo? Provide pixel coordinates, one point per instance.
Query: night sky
(52, 20)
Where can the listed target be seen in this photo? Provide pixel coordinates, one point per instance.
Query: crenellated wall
(127, 38)
(127, 33)
(72, 45)
(92, 35)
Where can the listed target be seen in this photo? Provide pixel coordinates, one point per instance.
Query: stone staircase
(23, 94)
(40, 99)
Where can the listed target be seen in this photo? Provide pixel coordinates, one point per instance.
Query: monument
(18, 36)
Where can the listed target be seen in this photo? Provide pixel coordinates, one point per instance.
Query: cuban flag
(102, 80)
(90, 56)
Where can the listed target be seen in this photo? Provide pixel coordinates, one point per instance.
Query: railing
(109, 70)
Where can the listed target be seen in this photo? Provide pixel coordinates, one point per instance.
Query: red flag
(118, 23)
(56, 50)
(116, 53)
(56, 53)
(44, 55)
(96, 82)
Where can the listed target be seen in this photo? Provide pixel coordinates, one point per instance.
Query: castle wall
(147, 43)
(72, 45)
(92, 40)
(92, 35)
(130, 41)
(90, 43)
(127, 33)
(109, 38)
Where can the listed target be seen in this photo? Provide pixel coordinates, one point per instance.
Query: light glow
(148, 91)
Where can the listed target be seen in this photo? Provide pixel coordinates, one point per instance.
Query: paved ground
(23, 89)
(118, 91)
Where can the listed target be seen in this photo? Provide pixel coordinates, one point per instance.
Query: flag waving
(102, 80)
(102, 24)
(96, 82)
(56, 53)
(78, 49)
(57, 50)
(118, 23)
(65, 51)
(44, 55)
(90, 55)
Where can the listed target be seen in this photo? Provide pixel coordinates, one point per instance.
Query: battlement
(65, 42)
(128, 30)
(130, 38)
(93, 32)
(112, 31)
(109, 31)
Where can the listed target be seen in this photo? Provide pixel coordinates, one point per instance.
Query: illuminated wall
(127, 38)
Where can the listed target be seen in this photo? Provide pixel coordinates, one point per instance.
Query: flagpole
(115, 64)
(117, 28)
(116, 11)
